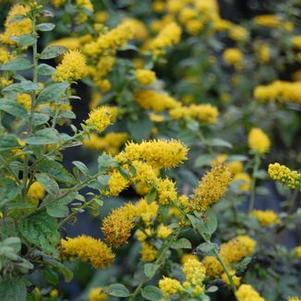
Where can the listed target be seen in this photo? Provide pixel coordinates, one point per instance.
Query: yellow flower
(144, 173)
(156, 101)
(146, 211)
(234, 57)
(270, 21)
(88, 249)
(236, 280)
(138, 28)
(36, 191)
(145, 77)
(4, 55)
(263, 53)
(117, 183)
(213, 267)
(100, 118)
(118, 225)
(238, 33)
(258, 141)
(24, 100)
(163, 231)
(283, 174)
(294, 299)
(169, 286)
(73, 67)
(166, 191)
(194, 272)
(97, 294)
(148, 252)
(247, 293)
(244, 181)
(68, 42)
(237, 248)
(212, 187)
(266, 218)
(297, 251)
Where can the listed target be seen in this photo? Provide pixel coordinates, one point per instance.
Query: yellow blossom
(266, 217)
(297, 251)
(244, 180)
(170, 286)
(117, 183)
(100, 118)
(148, 252)
(166, 191)
(194, 272)
(146, 211)
(88, 249)
(97, 294)
(4, 55)
(247, 293)
(163, 231)
(145, 77)
(213, 267)
(258, 141)
(24, 100)
(36, 191)
(234, 57)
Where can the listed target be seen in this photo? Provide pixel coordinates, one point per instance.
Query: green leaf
(81, 166)
(45, 70)
(151, 293)
(13, 108)
(24, 40)
(140, 129)
(118, 290)
(211, 222)
(58, 266)
(12, 290)
(51, 52)
(17, 65)
(49, 184)
(182, 243)
(219, 142)
(203, 160)
(9, 190)
(105, 161)
(39, 119)
(13, 242)
(41, 230)
(44, 136)
(45, 26)
(23, 86)
(53, 92)
(8, 142)
(206, 248)
(150, 269)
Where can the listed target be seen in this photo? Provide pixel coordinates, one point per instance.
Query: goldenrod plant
(149, 151)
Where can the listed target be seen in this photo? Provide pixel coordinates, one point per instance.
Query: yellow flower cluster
(156, 101)
(145, 77)
(157, 153)
(247, 293)
(109, 42)
(97, 294)
(163, 231)
(36, 191)
(281, 91)
(283, 174)
(167, 37)
(194, 272)
(166, 191)
(83, 5)
(24, 100)
(146, 211)
(213, 268)
(233, 57)
(294, 299)
(15, 27)
(273, 21)
(211, 188)
(258, 141)
(100, 118)
(109, 143)
(205, 113)
(117, 226)
(88, 249)
(170, 286)
(73, 67)
(266, 217)
(148, 252)
(263, 53)
(4, 55)
(297, 251)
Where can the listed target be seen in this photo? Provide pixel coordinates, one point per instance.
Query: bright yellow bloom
(187, 257)
(144, 173)
(237, 248)
(36, 191)
(24, 100)
(270, 21)
(73, 67)
(234, 57)
(244, 180)
(297, 251)
(100, 118)
(194, 272)
(117, 183)
(212, 187)
(146, 211)
(236, 279)
(68, 42)
(238, 33)
(163, 231)
(294, 299)
(166, 191)
(263, 53)
(156, 101)
(148, 252)
(88, 249)
(213, 267)
(266, 217)
(145, 77)
(258, 141)
(4, 55)
(138, 28)
(118, 225)
(97, 294)
(169, 286)
(157, 153)
(283, 174)
(247, 293)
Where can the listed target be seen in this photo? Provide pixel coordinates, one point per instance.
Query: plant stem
(253, 186)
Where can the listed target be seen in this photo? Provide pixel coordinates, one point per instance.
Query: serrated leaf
(53, 92)
(17, 65)
(49, 184)
(182, 243)
(51, 52)
(45, 26)
(44, 136)
(41, 230)
(12, 290)
(118, 290)
(151, 293)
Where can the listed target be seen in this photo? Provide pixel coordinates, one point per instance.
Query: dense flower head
(213, 268)
(118, 225)
(158, 153)
(170, 286)
(14, 26)
(297, 252)
(194, 271)
(294, 299)
(163, 231)
(100, 118)
(237, 248)
(88, 249)
(234, 57)
(73, 67)
(263, 53)
(24, 100)
(166, 191)
(148, 252)
(266, 217)
(97, 294)
(145, 77)
(146, 211)
(283, 174)
(138, 28)
(116, 184)
(156, 101)
(144, 174)
(36, 191)
(4, 55)
(247, 293)
(212, 187)
(259, 141)
(244, 181)
(273, 21)
(167, 37)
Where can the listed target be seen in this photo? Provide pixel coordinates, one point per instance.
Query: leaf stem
(257, 160)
